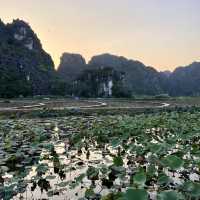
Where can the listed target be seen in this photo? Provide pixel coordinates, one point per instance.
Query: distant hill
(104, 71)
(185, 80)
(126, 77)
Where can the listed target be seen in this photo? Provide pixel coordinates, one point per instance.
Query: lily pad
(137, 194)
(173, 162)
(118, 161)
(193, 189)
(169, 195)
(139, 178)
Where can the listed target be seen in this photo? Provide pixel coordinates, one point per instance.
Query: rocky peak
(22, 32)
(166, 73)
(71, 65)
(72, 59)
(23, 62)
(107, 60)
(3, 31)
(2, 25)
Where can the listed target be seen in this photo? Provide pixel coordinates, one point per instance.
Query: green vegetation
(24, 70)
(146, 156)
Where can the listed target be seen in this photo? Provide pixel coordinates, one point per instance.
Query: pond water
(64, 159)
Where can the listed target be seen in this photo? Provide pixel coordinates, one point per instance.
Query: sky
(164, 34)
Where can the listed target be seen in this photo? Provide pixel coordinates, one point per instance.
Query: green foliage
(163, 179)
(153, 149)
(14, 85)
(172, 162)
(192, 189)
(120, 91)
(89, 193)
(169, 195)
(118, 161)
(139, 179)
(59, 87)
(42, 168)
(138, 194)
(92, 173)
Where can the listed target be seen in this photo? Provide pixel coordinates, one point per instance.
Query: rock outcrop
(25, 68)
(71, 66)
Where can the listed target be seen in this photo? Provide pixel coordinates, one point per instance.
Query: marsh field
(100, 149)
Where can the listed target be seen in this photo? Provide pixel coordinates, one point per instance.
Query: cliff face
(25, 68)
(100, 82)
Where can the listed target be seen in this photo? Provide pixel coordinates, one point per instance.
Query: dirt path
(45, 105)
(91, 104)
(162, 105)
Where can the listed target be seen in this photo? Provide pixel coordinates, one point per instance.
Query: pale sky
(160, 33)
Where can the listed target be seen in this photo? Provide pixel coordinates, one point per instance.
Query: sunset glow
(163, 34)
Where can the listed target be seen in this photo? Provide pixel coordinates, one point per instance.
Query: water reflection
(64, 169)
(63, 165)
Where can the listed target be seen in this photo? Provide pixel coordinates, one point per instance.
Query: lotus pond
(152, 156)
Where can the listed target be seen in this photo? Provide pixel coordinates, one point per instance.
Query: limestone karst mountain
(185, 81)
(25, 68)
(137, 78)
(71, 65)
(108, 75)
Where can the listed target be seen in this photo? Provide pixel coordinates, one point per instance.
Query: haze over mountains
(26, 69)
